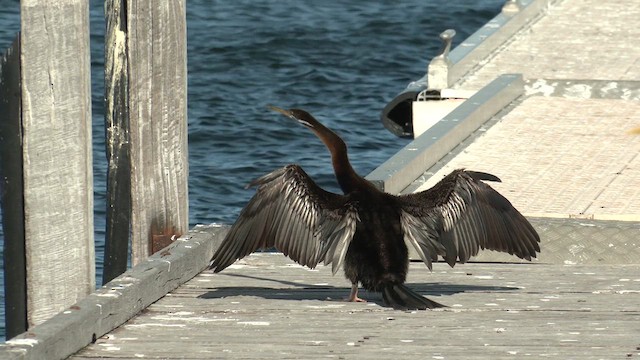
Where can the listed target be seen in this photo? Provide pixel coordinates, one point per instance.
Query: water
(340, 60)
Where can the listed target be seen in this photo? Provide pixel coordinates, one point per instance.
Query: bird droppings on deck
(487, 277)
(154, 325)
(108, 347)
(180, 313)
(316, 342)
(120, 287)
(192, 319)
(163, 260)
(254, 323)
(329, 306)
(27, 342)
(110, 294)
(122, 279)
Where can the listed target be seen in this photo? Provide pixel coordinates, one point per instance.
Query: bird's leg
(353, 296)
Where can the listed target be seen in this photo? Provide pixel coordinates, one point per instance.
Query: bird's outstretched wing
(294, 215)
(460, 215)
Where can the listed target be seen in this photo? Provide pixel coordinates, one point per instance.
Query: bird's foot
(353, 296)
(355, 299)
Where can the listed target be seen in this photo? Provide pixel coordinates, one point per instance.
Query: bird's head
(298, 115)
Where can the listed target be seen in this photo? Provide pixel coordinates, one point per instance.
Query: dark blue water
(340, 60)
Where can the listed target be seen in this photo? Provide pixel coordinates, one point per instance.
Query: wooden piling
(146, 77)
(57, 155)
(157, 45)
(117, 142)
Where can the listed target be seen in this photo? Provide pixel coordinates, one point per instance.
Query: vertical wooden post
(15, 282)
(117, 141)
(146, 121)
(157, 45)
(58, 176)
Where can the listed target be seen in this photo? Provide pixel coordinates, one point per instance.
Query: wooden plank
(15, 284)
(58, 175)
(117, 301)
(156, 40)
(118, 220)
(265, 306)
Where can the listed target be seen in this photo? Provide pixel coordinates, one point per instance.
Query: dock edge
(119, 300)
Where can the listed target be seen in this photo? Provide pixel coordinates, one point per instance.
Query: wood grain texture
(58, 175)
(118, 142)
(158, 107)
(267, 307)
(119, 300)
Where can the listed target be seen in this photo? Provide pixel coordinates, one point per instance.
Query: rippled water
(340, 60)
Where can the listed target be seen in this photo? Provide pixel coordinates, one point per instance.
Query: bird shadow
(301, 291)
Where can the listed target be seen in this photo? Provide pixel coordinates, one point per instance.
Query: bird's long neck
(348, 179)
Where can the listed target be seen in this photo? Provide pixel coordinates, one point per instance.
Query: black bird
(365, 230)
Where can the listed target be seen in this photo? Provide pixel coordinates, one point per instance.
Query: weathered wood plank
(15, 285)
(118, 301)
(58, 175)
(117, 114)
(267, 307)
(156, 40)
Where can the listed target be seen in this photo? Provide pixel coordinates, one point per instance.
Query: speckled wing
(294, 215)
(460, 215)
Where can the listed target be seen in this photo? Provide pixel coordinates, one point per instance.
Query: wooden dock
(267, 307)
(556, 135)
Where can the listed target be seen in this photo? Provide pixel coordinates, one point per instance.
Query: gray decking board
(561, 157)
(575, 39)
(118, 301)
(268, 307)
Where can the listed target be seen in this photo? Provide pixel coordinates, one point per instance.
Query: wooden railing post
(157, 41)
(156, 93)
(56, 156)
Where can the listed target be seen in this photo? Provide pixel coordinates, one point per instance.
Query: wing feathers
(462, 215)
(420, 233)
(291, 213)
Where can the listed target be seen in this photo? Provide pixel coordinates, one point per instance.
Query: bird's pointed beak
(284, 112)
(290, 115)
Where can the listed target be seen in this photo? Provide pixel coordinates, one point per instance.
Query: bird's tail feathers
(401, 297)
